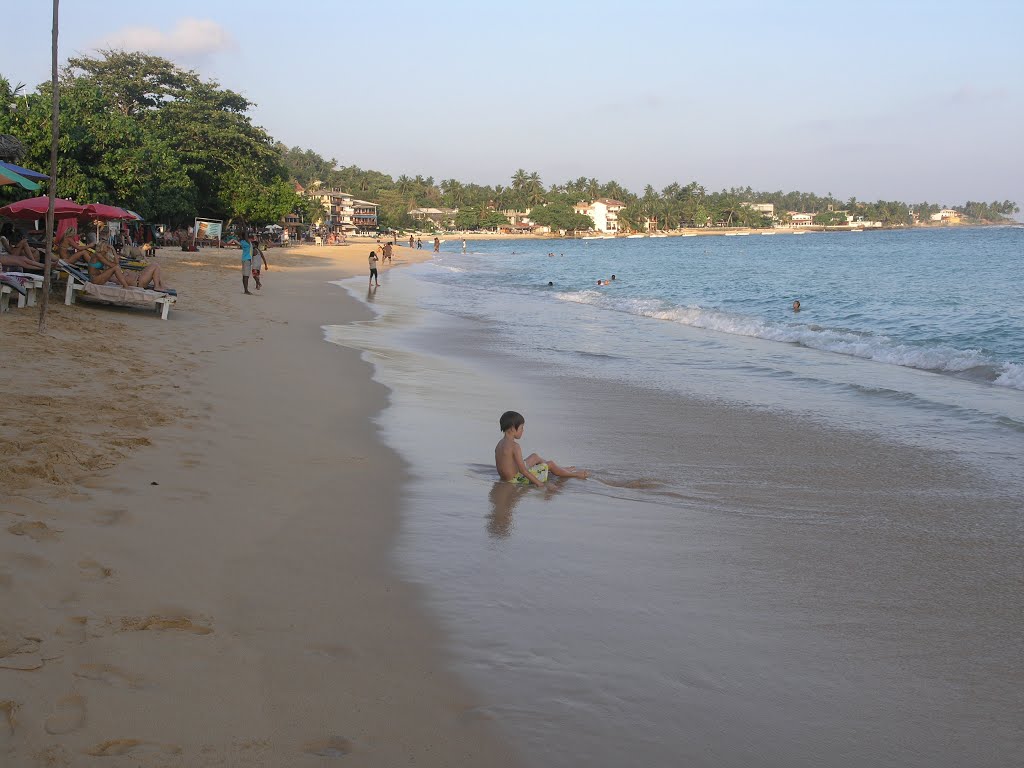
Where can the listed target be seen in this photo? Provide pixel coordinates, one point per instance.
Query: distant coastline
(700, 232)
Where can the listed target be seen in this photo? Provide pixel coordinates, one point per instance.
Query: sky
(897, 100)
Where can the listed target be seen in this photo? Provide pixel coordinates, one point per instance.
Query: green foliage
(830, 218)
(469, 218)
(493, 220)
(559, 216)
(989, 212)
(138, 131)
(309, 209)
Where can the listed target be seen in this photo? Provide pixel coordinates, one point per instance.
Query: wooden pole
(54, 136)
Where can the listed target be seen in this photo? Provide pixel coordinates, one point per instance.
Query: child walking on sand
(509, 461)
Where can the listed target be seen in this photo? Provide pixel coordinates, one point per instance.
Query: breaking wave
(970, 363)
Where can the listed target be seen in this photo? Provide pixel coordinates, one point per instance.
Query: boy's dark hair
(510, 420)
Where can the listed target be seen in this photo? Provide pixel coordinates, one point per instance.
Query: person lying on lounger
(104, 265)
(22, 255)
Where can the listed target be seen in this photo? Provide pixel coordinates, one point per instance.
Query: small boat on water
(767, 233)
(633, 237)
(799, 232)
(660, 235)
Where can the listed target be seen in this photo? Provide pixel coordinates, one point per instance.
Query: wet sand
(197, 523)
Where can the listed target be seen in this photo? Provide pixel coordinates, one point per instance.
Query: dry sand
(196, 521)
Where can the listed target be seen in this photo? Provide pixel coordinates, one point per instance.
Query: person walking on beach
(437, 245)
(373, 268)
(258, 251)
(412, 242)
(509, 461)
(419, 242)
(387, 253)
(463, 245)
(246, 246)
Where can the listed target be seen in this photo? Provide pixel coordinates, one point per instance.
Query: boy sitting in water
(509, 461)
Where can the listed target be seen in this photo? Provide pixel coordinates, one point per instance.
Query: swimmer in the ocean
(796, 305)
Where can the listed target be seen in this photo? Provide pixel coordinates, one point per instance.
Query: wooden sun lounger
(115, 294)
(31, 282)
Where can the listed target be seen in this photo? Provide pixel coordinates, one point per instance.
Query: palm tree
(533, 190)
(519, 179)
(454, 193)
(615, 190)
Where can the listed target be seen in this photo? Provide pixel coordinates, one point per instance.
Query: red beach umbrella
(101, 212)
(35, 208)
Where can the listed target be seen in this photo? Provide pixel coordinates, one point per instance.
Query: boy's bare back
(507, 457)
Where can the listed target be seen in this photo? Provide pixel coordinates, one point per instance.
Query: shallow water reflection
(504, 498)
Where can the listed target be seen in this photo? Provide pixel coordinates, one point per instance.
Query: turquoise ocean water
(950, 301)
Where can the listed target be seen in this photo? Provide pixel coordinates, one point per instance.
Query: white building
(604, 213)
(768, 209)
(946, 214)
(442, 217)
(344, 213)
(339, 207)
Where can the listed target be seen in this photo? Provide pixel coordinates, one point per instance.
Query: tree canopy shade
(139, 131)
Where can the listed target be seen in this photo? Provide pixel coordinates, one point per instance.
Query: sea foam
(862, 344)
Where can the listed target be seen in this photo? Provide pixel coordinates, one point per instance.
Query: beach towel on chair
(119, 295)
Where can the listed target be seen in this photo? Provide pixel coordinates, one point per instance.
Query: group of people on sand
(251, 249)
(101, 260)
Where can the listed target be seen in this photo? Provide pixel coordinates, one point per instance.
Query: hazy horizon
(915, 103)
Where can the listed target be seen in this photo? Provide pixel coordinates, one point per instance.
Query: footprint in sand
(94, 571)
(111, 675)
(114, 747)
(180, 623)
(333, 746)
(21, 654)
(73, 629)
(35, 530)
(111, 516)
(68, 715)
(7, 710)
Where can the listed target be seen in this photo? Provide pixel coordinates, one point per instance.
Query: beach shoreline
(683, 232)
(730, 573)
(198, 518)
